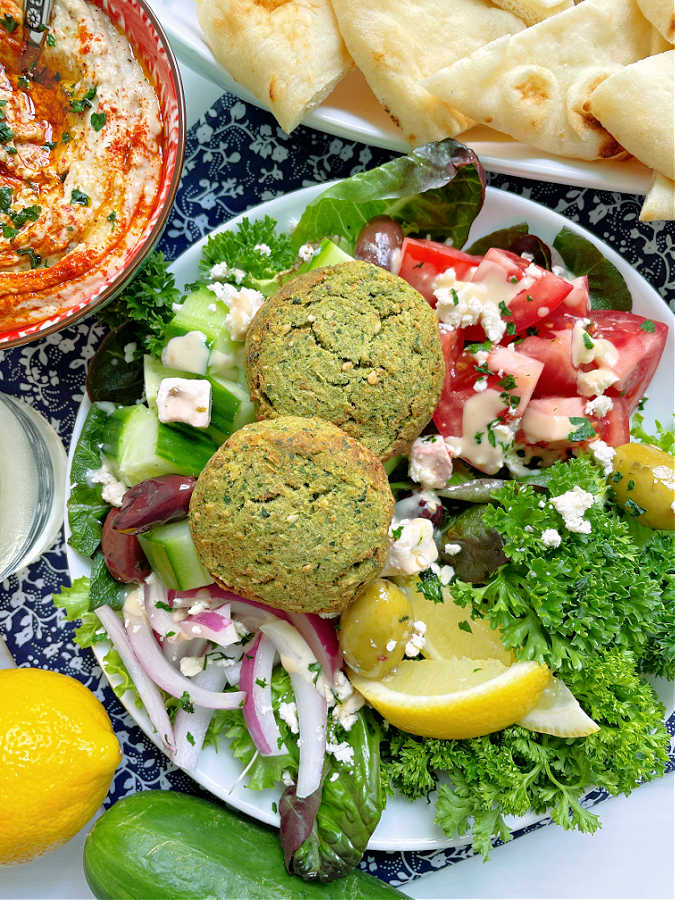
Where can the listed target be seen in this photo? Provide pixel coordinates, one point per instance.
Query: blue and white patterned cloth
(237, 157)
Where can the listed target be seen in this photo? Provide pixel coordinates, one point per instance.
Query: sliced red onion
(160, 670)
(322, 638)
(296, 654)
(251, 613)
(190, 728)
(233, 674)
(175, 648)
(312, 714)
(147, 690)
(214, 625)
(156, 607)
(256, 680)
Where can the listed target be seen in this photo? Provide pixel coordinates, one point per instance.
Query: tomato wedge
(554, 350)
(640, 343)
(422, 261)
(551, 421)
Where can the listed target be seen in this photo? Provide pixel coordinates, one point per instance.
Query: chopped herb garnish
(508, 382)
(51, 40)
(511, 328)
(112, 217)
(648, 326)
(160, 604)
(634, 508)
(404, 618)
(5, 198)
(50, 145)
(274, 807)
(475, 348)
(464, 626)
(584, 431)
(9, 233)
(316, 668)
(80, 198)
(397, 532)
(35, 259)
(429, 584)
(503, 309)
(85, 101)
(631, 485)
(513, 279)
(6, 133)
(98, 120)
(65, 137)
(23, 81)
(532, 331)
(9, 23)
(588, 341)
(529, 298)
(478, 437)
(189, 737)
(186, 703)
(455, 298)
(27, 214)
(261, 682)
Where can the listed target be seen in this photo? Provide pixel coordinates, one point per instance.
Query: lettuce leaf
(437, 189)
(606, 285)
(86, 507)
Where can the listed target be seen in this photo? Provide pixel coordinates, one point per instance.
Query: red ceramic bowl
(151, 46)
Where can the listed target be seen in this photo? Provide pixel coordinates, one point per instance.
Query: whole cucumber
(162, 845)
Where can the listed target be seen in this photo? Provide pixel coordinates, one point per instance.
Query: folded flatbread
(535, 85)
(288, 53)
(661, 13)
(533, 11)
(659, 203)
(637, 106)
(397, 43)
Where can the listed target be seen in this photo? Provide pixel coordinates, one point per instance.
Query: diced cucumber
(231, 405)
(329, 255)
(200, 311)
(172, 555)
(227, 358)
(138, 446)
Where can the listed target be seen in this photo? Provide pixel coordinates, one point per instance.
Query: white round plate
(353, 112)
(404, 825)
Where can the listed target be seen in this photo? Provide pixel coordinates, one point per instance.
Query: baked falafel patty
(292, 512)
(352, 344)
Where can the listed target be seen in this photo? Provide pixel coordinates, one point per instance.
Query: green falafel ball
(353, 344)
(294, 513)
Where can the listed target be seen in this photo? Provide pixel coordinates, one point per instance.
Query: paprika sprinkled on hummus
(80, 159)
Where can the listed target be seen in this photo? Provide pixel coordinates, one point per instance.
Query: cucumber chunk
(329, 255)
(138, 446)
(200, 311)
(231, 406)
(172, 555)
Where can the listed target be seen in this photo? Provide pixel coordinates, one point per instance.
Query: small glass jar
(32, 485)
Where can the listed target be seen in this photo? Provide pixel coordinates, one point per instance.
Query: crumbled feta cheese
(595, 382)
(550, 537)
(186, 400)
(343, 752)
(445, 574)
(430, 463)
(391, 646)
(307, 251)
(191, 666)
(410, 507)
(212, 307)
(334, 776)
(289, 714)
(452, 549)
(113, 490)
(342, 686)
(187, 352)
(559, 271)
(603, 455)
(599, 406)
(222, 271)
(480, 385)
(527, 256)
(665, 475)
(417, 639)
(263, 249)
(130, 351)
(413, 550)
(463, 303)
(199, 607)
(242, 303)
(286, 777)
(572, 505)
(481, 356)
(345, 713)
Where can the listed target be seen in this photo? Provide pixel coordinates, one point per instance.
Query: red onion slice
(214, 625)
(147, 690)
(322, 638)
(190, 728)
(150, 656)
(312, 715)
(156, 607)
(251, 613)
(296, 654)
(256, 680)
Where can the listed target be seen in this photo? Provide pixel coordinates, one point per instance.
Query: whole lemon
(58, 754)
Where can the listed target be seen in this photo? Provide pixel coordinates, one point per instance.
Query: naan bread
(661, 13)
(659, 203)
(535, 85)
(533, 11)
(637, 106)
(397, 43)
(288, 53)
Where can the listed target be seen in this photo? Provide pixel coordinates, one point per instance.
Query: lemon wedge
(455, 698)
(450, 630)
(558, 712)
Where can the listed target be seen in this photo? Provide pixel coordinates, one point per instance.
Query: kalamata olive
(123, 556)
(375, 629)
(155, 502)
(377, 241)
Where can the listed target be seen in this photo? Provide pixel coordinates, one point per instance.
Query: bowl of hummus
(92, 136)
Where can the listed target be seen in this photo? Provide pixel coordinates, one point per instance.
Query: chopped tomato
(530, 292)
(578, 301)
(554, 350)
(451, 344)
(511, 374)
(640, 343)
(422, 261)
(614, 428)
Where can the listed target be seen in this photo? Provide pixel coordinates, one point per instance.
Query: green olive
(375, 628)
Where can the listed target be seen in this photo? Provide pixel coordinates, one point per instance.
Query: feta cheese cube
(186, 400)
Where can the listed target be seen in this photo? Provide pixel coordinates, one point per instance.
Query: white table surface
(631, 857)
